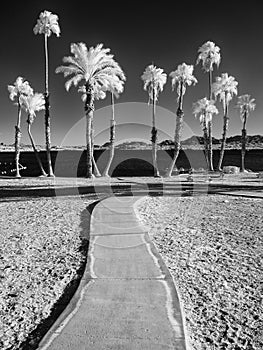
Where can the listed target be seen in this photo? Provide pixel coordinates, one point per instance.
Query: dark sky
(138, 34)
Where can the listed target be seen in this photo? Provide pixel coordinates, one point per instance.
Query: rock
(230, 169)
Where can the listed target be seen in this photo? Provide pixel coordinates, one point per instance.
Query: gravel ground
(213, 246)
(41, 252)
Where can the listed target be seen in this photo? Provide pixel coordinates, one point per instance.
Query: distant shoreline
(83, 148)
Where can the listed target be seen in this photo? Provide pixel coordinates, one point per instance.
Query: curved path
(127, 298)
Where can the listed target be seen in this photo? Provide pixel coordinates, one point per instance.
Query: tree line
(94, 71)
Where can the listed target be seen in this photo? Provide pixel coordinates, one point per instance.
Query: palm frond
(68, 70)
(154, 80)
(205, 109)
(75, 80)
(209, 54)
(182, 77)
(99, 92)
(33, 103)
(95, 66)
(225, 87)
(246, 104)
(20, 87)
(47, 23)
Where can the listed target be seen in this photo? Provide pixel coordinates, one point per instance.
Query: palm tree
(47, 24)
(245, 104)
(115, 89)
(154, 80)
(225, 87)
(99, 94)
(181, 77)
(209, 55)
(16, 91)
(205, 109)
(33, 104)
(97, 68)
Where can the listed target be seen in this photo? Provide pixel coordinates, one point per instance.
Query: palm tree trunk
(243, 146)
(210, 79)
(47, 115)
(34, 148)
(112, 137)
(210, 146)
(206, 142)
(89, 109)
(223, 143)
(17, 140)
(178, 134)
(210, 136)
(154, 139)
(95, 168)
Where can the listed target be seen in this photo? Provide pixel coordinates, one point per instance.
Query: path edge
(170, 280)
(72, 306)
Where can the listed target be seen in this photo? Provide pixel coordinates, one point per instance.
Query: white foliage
(209, 54)
(47, 23)
(245, 104)
(205, 109)
(32, 104)
(20, 88)
(99, 92)
(183, 76)
(225, 87)
(96, 67)
(154, 80)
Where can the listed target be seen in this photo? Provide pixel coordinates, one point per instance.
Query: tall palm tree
(246, 105)
(205, 109)
(209, 55)
(115, 89)
(98, 94)
(181, 77)
(33, 104)
(47, 24)
(97, 68)
(16, 91)
(154, 80)
(225, 87)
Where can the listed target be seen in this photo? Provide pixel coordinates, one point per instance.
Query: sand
(40, 255)
(213, 247)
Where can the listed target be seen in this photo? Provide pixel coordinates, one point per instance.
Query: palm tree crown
(95, 66)
(225, 87)
(20, 88)
(47, 23)
(154, 80)
(245, 104)
(209, 54)
(32, 104)
(205, 109)
(115, 86)
(183, 76)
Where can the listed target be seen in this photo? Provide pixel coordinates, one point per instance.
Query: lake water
(71, 163)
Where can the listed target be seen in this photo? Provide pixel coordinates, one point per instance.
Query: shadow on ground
(39, 332)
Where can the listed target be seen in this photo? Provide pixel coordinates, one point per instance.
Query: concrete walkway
(127, 298)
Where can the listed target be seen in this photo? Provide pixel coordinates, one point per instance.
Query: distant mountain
(253, 141)
(129, 145)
